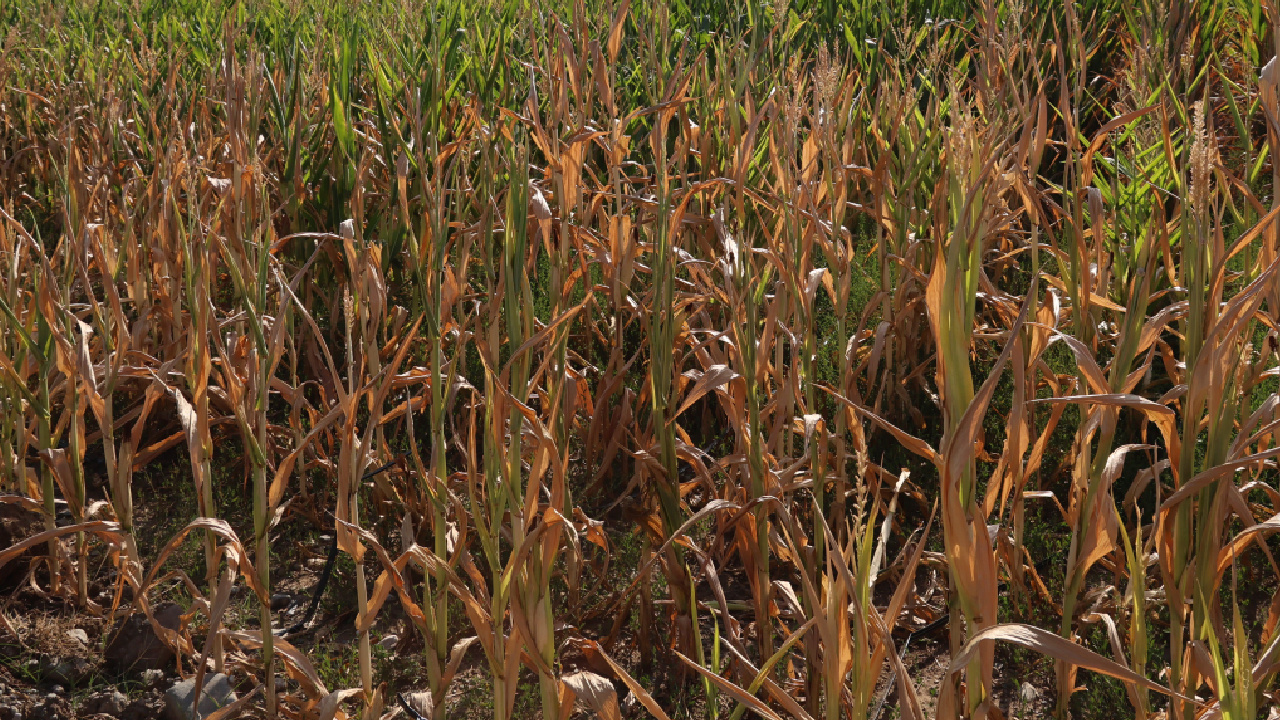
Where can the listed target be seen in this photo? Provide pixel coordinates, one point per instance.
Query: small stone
(388, 642)
(216, 693)
(148, 707)
(109, 702)
(1028, 692)
(152, 677)
(53, 708)
(53, 696)
(79, 636)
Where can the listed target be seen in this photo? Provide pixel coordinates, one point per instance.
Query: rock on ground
(147, 707)
(216, 693)
(65, 671)
(79, 636)
(134, 646)
(152, 678)
(52, 708)
(108, 702)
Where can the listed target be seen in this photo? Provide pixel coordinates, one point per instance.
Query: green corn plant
(251, 394)
(835, 111)
(14, 347)
(112, 330)
(900, 156)
(744, 288)
(662, 329)
(245, 251)
(834, 136)
(497, 493)
(665, 318)
(566, 177)
(28, 315)
(519, 317)
(971, 185)
(488, 499)
(197, 265)
(1091, 508)
(44, 352)
(709, 689)
(77, 372)
(432, 278)
(40, 348)
(1220, 376)
(1138, 632)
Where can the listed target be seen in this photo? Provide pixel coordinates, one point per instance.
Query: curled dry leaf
(596, 691)
(1058, 648)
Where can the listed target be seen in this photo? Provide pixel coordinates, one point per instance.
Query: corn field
(674, 359)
